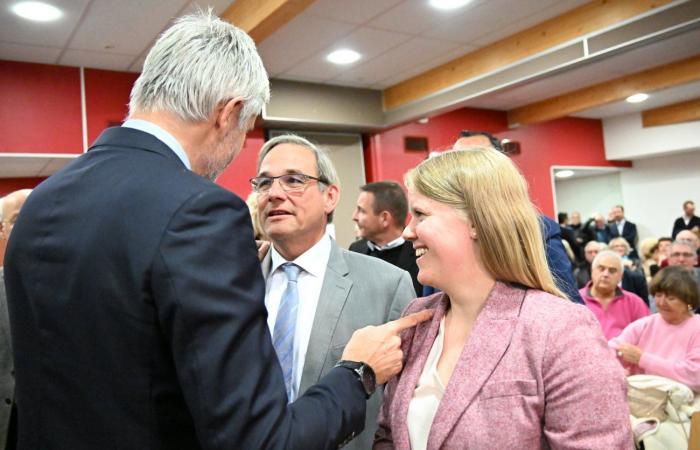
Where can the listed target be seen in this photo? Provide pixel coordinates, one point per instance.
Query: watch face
(368, 380)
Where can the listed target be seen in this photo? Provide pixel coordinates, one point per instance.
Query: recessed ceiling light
(448, 4)
(564, 173)
(637, 98)
(37, 11)
(343, 56)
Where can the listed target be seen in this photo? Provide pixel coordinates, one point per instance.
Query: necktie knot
(292, 271)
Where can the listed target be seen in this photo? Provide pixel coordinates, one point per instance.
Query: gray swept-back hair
(198, 63)
(324, 166)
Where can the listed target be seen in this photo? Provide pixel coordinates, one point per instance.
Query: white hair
(198, 63)
(606, 254)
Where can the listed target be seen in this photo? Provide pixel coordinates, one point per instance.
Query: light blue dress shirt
(162, 135)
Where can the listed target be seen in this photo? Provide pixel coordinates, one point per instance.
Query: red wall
(562, 142)
(106, 99)
(39, 108)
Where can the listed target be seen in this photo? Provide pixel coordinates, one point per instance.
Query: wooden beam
(676, 113)
(660, 77)
(574, 24)
(261, 18)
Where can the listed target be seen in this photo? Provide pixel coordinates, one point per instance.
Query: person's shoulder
(545, 309)
(359, 245)
(423, 303)
(366, 263)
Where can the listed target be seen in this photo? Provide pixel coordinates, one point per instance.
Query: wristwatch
(364, 373)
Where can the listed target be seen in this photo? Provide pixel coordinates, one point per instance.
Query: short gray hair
(620, 240)
(608, 253)
(686, 242)
(198, 63)
(324, 166)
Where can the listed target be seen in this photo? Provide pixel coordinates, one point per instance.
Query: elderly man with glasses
(335, 291)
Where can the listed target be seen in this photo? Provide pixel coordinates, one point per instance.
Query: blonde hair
(258, 231)
(486, 187)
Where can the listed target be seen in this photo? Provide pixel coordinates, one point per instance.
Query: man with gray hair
(134, 286)
(338, 291)
(614, 307)
(10, 206)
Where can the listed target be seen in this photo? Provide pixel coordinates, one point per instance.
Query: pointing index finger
(411, 320)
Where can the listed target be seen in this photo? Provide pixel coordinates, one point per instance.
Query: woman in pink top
(666, 343)
(506, 361)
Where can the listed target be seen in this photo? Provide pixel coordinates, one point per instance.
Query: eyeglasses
(685, 255)
(291, 182)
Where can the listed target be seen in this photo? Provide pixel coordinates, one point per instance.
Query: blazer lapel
(487, 344)
(334, 292)
(424, 334)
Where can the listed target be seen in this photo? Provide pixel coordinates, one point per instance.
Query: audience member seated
(621, 227)
(598, 228)
(581, 233)
(615, 308)
(692, 237)
(620, 246)
(649, 256)
(664, 252)
(687, 221)
(582, 273)
(666, 343)
(568, 236)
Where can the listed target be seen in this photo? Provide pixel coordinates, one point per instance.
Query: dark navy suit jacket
(138, 322)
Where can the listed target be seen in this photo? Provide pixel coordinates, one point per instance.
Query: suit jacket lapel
(334, 292)
(487, 344)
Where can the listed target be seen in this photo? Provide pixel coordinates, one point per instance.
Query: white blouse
(427, 396)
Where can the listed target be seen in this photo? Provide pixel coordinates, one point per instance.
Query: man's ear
(228, 114)
(331, 197)
(385, 217)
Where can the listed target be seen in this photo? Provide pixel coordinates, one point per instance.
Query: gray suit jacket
(357, 291)
(7, 378)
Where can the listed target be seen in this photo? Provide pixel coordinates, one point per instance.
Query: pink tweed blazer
(536, 373)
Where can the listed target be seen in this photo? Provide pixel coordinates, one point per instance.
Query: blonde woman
(506, 361)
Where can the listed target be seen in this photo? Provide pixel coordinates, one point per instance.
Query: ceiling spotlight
(448, 4)
(37, 11)
(637, 98)
(564, 173)
(343, 56)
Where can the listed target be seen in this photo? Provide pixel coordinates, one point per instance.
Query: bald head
(9, 207)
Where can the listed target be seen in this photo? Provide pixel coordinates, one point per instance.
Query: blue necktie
(285, 326)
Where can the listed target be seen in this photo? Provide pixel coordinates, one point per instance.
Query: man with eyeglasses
(684, 254)
(338, 291)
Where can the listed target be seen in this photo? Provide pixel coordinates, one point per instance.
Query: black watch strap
(364, 373)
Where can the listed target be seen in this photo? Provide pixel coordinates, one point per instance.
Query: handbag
(647, 402)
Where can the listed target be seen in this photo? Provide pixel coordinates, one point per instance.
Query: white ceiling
(397, 39)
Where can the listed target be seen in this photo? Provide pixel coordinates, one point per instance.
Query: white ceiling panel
(298, 40)
(398, 59)
(420, 68)
(410, 16)
(482, 19)
(124, 32)
(354, 11)
(29, 53)
(98, 60)
(15, 30)
(137, 65)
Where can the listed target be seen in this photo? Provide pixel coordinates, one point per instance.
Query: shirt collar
(313, 261)
(162, 135)
(393, 244)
